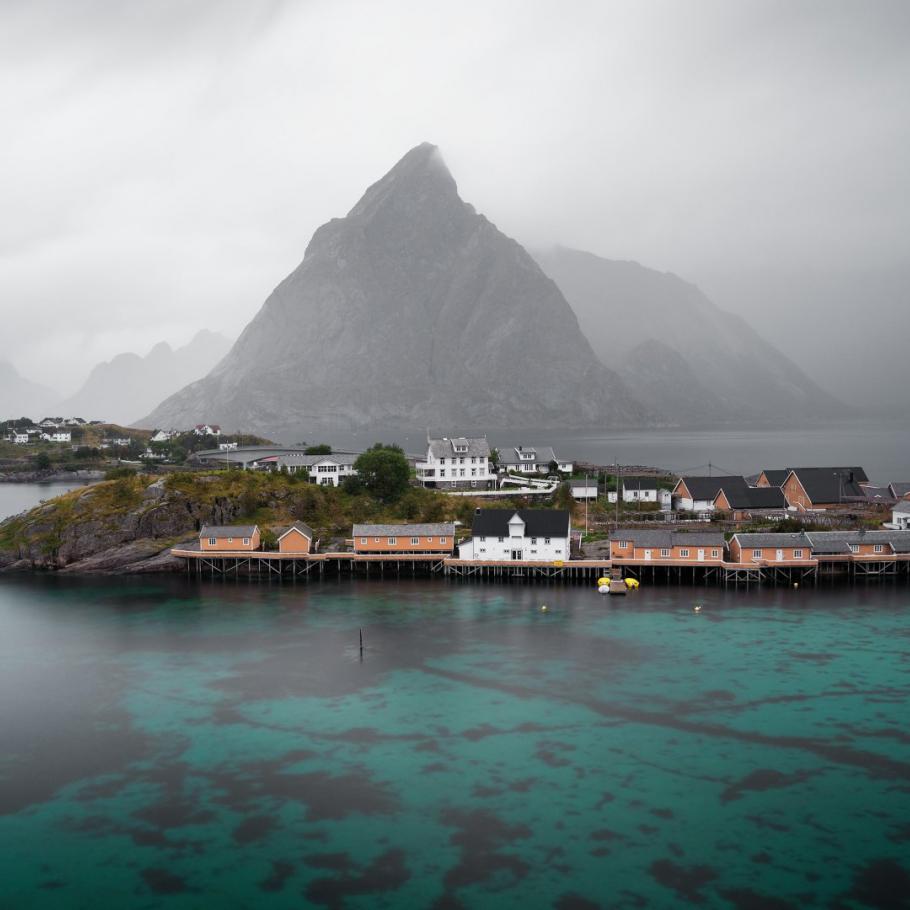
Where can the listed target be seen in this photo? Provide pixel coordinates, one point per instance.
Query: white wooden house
(459, 462)
(518, 535)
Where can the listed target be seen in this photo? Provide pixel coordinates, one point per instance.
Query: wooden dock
(293, 566)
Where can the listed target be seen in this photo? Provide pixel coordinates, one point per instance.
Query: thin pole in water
(361, 644)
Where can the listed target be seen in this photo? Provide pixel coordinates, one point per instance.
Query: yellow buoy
(603, 581)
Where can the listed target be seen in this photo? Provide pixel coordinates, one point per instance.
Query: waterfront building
(900, 515)
(532, 460)
(525, 535)
(697, 494)
(405, 539)
(861, 543)
(653, 545)
(229, 538)
(461, 462)
(825, 488)
(298, 538)
(768, 548)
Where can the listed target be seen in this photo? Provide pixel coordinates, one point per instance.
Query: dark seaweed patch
(162, 881)
(883, 884)
(573, 901)
(761, 780)
(480, 837)
(387, 872)
(252, 829)
(686, 881)
(281, 872)
(746, 899)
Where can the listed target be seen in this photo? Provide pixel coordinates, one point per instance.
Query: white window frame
(213, 541)
(664, 553)
(246, 541)
(415, 541)
(392, 541)
(684, 553)
(715, 553)
(756, 554)
(854, 548)
(446, 539)
(797, 554)
(364, 541)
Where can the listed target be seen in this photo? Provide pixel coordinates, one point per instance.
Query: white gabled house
(532, 460)
(205, 429)
(58, 436)
(17, 437)
(900, 515)
(458, 463)
(163, 435)
(518, 535)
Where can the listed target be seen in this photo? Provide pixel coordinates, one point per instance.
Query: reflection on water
(174, 744)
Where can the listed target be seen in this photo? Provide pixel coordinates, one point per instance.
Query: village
(664, 528)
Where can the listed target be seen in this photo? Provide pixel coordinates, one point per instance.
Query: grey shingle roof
(649, 537)
(542, 455)
(899, 540)
(899, 489)
(445, 447)
(707, 488)
(304, 529)
(903, 506)
(227, 531)
(758, 540)
(756, 498)
(439, 529)
(877, 493)
(831, 485)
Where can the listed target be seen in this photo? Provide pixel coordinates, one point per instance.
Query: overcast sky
(163, 164)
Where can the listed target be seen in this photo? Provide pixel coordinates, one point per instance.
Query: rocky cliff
(681, 353)
(413, 310)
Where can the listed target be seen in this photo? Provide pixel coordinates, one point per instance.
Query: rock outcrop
(413, 310)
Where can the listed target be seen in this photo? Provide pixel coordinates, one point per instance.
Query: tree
(42, 461)
(321, 449)
(384, 471)
(563, 499)
(494, 458)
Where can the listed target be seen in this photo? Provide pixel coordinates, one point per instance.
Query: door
(701, 555)
(516, 554)
(780, 555)
(647, 554)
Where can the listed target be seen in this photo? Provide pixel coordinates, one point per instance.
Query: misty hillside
(20, 397)
(678, 352)
(413, 310)
(122, 389)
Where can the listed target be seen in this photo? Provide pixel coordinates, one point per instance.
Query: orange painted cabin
(770, 548)
(229, 538)
(402, 539)
(679, 546)
(298, 538)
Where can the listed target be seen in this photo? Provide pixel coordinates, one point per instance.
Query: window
(878, 548)
(461, 461)
(446, 539)
(664, 553)
(415, 541)
(393, 541)
(442, 472)
(483, 550)
(546, 540)
(473, 472)
(533, 541)
(363, 541)
(715, 553)
(756, 554)
(246, 541)
(684, 554)
(500, 539)
(461, 472)
(213, 541)
(622, 544)
(533, 551)
(482, 539)
(854, 548)
(797, 554)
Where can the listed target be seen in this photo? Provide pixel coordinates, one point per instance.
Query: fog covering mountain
(679, 353)
(20, 397)
(413, 310)
(124, 388)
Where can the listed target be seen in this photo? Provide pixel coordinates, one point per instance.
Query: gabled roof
(903, 506)
(538, 522)
(227, 531)
(755, 498)
(435, 529)
(899, 489)
(445, 447)
(831, 485)
(639, 483)
(304, 529)
(759, 539)
(652, 537)
(877, 494)
(708, 487)
(776, 476)
(542, 455)
(898, 540)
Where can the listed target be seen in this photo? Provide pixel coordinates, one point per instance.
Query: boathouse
(229, 538)
(765, 548)
(676, 547)
(298, 538)
(405, 539)
(518, 535)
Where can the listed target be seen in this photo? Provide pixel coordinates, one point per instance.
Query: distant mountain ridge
(677, 351)
(20, 397)
(122, 389)
(413, 310)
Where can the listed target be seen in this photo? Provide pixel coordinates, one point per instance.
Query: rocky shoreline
(51, 476)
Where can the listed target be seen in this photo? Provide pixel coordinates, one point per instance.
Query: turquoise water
(167, 744)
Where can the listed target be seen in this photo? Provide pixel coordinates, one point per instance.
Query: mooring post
(361, 644)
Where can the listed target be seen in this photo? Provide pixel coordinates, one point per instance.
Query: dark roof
(877, 493)
(756, 498)
(839, 541)
(859, 475)
(304, 529)
(639, 483)
(899, 489)
(227, 531)
(776, 476)
(538, 522)
(831, 485)
(708, 487)
(645, 537)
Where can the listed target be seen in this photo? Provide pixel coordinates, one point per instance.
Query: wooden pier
(294, 566)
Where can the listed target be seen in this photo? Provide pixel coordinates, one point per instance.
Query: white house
(331, 470)
(163, 435)
(205, 429)
(532, 460)
(226, 446)
(18, 437)
(900, 515)
(457, 463)
(522, 535)
(697, 494)
(58, 436)
(584, 489)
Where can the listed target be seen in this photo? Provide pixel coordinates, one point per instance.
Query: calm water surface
(17, 497)
(171, 744)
